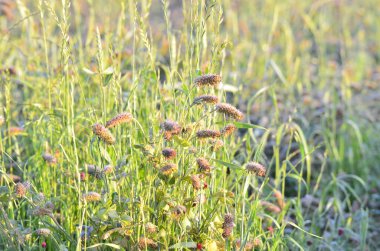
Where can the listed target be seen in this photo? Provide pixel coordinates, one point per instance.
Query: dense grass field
(189, 125)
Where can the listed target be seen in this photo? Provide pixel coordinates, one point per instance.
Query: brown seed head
(196, 181)
(103, 133)
(91, 196)
(168, 169)
(202, 134)
(169, 153)
(20, 190)
(229, 111)
(146, 243)
(41, 211)
(119, 119)
(280, 199)
(203, 165)
(150, 228)
(208, 80)
(256, 168)
(178, 211)
(228, 130)
(95, 171)
(270, 207)
(216, 144)
(43, 232)
(170, 126)
(50, 159)
(205, 99)
(228, 225)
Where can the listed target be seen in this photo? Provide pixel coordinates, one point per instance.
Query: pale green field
(305, 75)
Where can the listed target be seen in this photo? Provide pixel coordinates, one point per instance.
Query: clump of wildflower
(50, 159)
(43, 232)
(150, 228)
(256, 168)
(178, 211)
(202, 134)
(169, 153)
(228, 130)
(91, 196)
(208, 80)
(216, 144)
(95, 171)
(119, 119)
(145, 243)
(203, 165)
(20, 190)
(168, 169)
(270, 207)
(228, 225)
(103, 133)
(205, 99)
(229, 111)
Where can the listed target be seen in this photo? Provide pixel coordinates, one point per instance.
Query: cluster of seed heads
(50, 159)
(21, 189)
(208, 133)
(170, 128)
(168, 169)
(228, 225)
(169, 153)
(228, 130)
(212, 80)
(125, 117)
(150, 228)
(178, 211)
(203, 165)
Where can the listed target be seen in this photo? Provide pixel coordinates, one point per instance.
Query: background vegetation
(304, 73)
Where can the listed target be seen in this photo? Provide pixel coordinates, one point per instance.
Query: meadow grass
(209, 125)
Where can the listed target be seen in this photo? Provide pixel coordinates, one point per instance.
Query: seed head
(170, 126)
(14, 131)
(208, 80)
(256, 168)
(216, 144)
(95, 171)
(146, 243)
(205, 99)
(203, 165)
(228, 130)
(150, 228)
(91, 196)
(42, 211)
(119, 119)
(43, 232)
(202, 134)
(196, 182)
(50, 159)
(280, 199)
(228, 225)
(248, 245)
(108, 169)
(178, 211)
(20, 190)
(229, 111)
(103, 133)
(270, 207)
(168, 169)
(169, 153)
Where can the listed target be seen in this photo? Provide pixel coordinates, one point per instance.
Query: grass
(304, 74)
